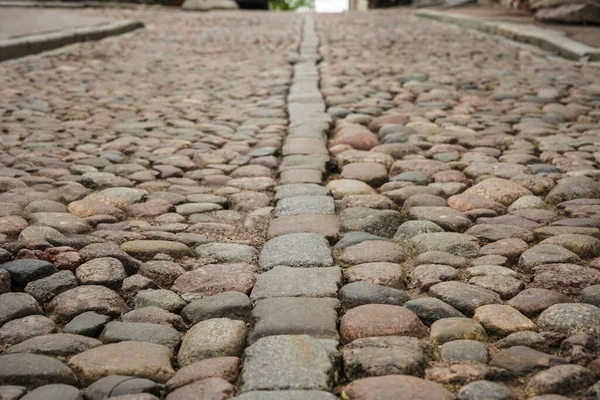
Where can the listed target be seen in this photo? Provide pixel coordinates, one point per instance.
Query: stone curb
(34, 44)
(67, 5)
(547, 39)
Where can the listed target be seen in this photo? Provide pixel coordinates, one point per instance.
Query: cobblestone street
(282, 206)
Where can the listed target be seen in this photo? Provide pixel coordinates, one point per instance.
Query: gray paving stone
(289, 363)
(295, 316)
(296, 250)
(284, 281)
(286, 395)
(232, 305)
(305, 205)
(300, 189)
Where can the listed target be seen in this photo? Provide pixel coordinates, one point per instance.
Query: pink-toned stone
(380, 320)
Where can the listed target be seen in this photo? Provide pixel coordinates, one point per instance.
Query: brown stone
(207, 389)
(521, 360)
(535, 300)
(86, 298)
(395, 387)
(355, 135)
(326, 225)
(511, 248)
(568, 279)
(386, 274)
(372, 174)
(216, 278)
(226, 368)
(372, 251)
(379, 320)
(139, 359)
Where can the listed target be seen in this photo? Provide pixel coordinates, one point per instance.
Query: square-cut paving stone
(304, 146)
(296, 250)
(300, 189)
(289, 363)
(295, 316)
(392, 355)
(305, 205)
(286, 395)
(305, 161)
(284, 281)
(326, 225)
(301, 175)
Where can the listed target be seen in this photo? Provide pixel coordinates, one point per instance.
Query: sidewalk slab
(25, 32)
(547, 39)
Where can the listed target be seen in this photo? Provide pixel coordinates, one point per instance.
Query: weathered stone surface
(45, 289)
(121, 386)
(296, 250)
(116, 331)
(105, 271)
(390, 355)
(54, 391)
(217, 337)
(219, 367)
(373, 251)
(359, 293)
(502, 320)
(216, 278)
(464, 297)
(88, 323)
(377, 222)
(521, 360)
(379, 320)
(484, 389)
(17, 305)
(287, 394)
(21, 329)
(456, 328)
(387, 274)
(450, 242)
(458, 351)
(395, 386)
(24, 271)
(209, 388)
(86, 298)
(502, 191)
(295, 316)
(430, 309)
(32, 370)
(561, 379)
(284, 281)
(140, 359)
(534, 300)
(289, 363)
(232, 305)
(147, 249)
(570, 319)
(55, 345)
(326, 225)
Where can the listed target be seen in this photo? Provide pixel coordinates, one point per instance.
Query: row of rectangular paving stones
(293, 344)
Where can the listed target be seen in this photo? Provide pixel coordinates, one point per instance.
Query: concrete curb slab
(547, 39)
(34, 44)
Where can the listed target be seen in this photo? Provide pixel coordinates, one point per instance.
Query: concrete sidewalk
(25, 31)
(553, 40)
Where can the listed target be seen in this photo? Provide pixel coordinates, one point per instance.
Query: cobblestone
(311, 204)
